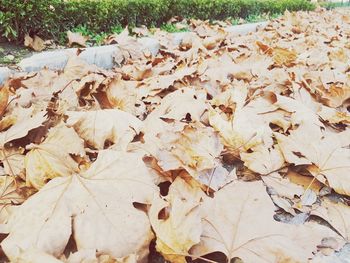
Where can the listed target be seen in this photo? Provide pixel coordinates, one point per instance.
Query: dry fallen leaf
(228, 227)
(97, 127)
(97, 205)
(194, 148)
(199, 147)
(52, 157)
(76, 38)
(328, 157)
(35, 43)
(26, 122)
(4, 97)
(337, 215)
(12, 193)
(263, 160)
(180, 227)
(13, 161)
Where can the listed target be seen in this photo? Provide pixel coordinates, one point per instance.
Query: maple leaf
(228, 227)
(13, 161)
(97, 205)
(194, 148)
(183, 104)
(248, 127)
(12, 193)
(181, 227)
(335, 214)
(96, 127)
(327, 156)
(52, 157)
(263, 160)
(25, 122)
(129, 48)
(123, 95)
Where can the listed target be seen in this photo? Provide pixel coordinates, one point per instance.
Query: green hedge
(50, 18)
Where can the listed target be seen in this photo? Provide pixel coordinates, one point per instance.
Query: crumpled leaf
(128, 47)
(216, 178)
(247, 128)
(194, 148)
(97, 205)
(97, 127)
(123, 95)
(52, 157)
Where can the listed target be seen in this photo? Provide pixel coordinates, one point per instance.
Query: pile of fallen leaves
(219, 143)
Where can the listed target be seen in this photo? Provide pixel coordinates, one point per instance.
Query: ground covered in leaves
(237, 146)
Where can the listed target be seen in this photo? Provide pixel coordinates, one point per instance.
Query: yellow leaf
(180, 227)
(52, 158)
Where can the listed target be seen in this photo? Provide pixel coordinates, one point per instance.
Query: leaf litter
(220, 143)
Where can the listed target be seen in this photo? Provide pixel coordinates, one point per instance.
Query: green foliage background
(51, 18)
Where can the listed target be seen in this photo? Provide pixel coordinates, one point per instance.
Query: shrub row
(49, 18)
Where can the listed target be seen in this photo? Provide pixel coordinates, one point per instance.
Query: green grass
(256, 18)
(171, 28)
(96, 38)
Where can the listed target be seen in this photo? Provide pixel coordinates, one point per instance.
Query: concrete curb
(102, 56)
(4, 74)
(246, 28)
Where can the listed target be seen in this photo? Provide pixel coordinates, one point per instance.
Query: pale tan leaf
(327, 155)
(184, 104)
(283, 187)
(228, 227)
(263, 160)
(180, 227)
(97, 127)
(123, 95)
(97, 205)
(13, 161)
(307, 182)
(76, 38)
(12, 193)
(194, 148)
(24, 124)
(35, 43)
(52, 158)
(337, 215)
(216, 177)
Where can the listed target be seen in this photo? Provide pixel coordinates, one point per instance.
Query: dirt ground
(12, 53)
